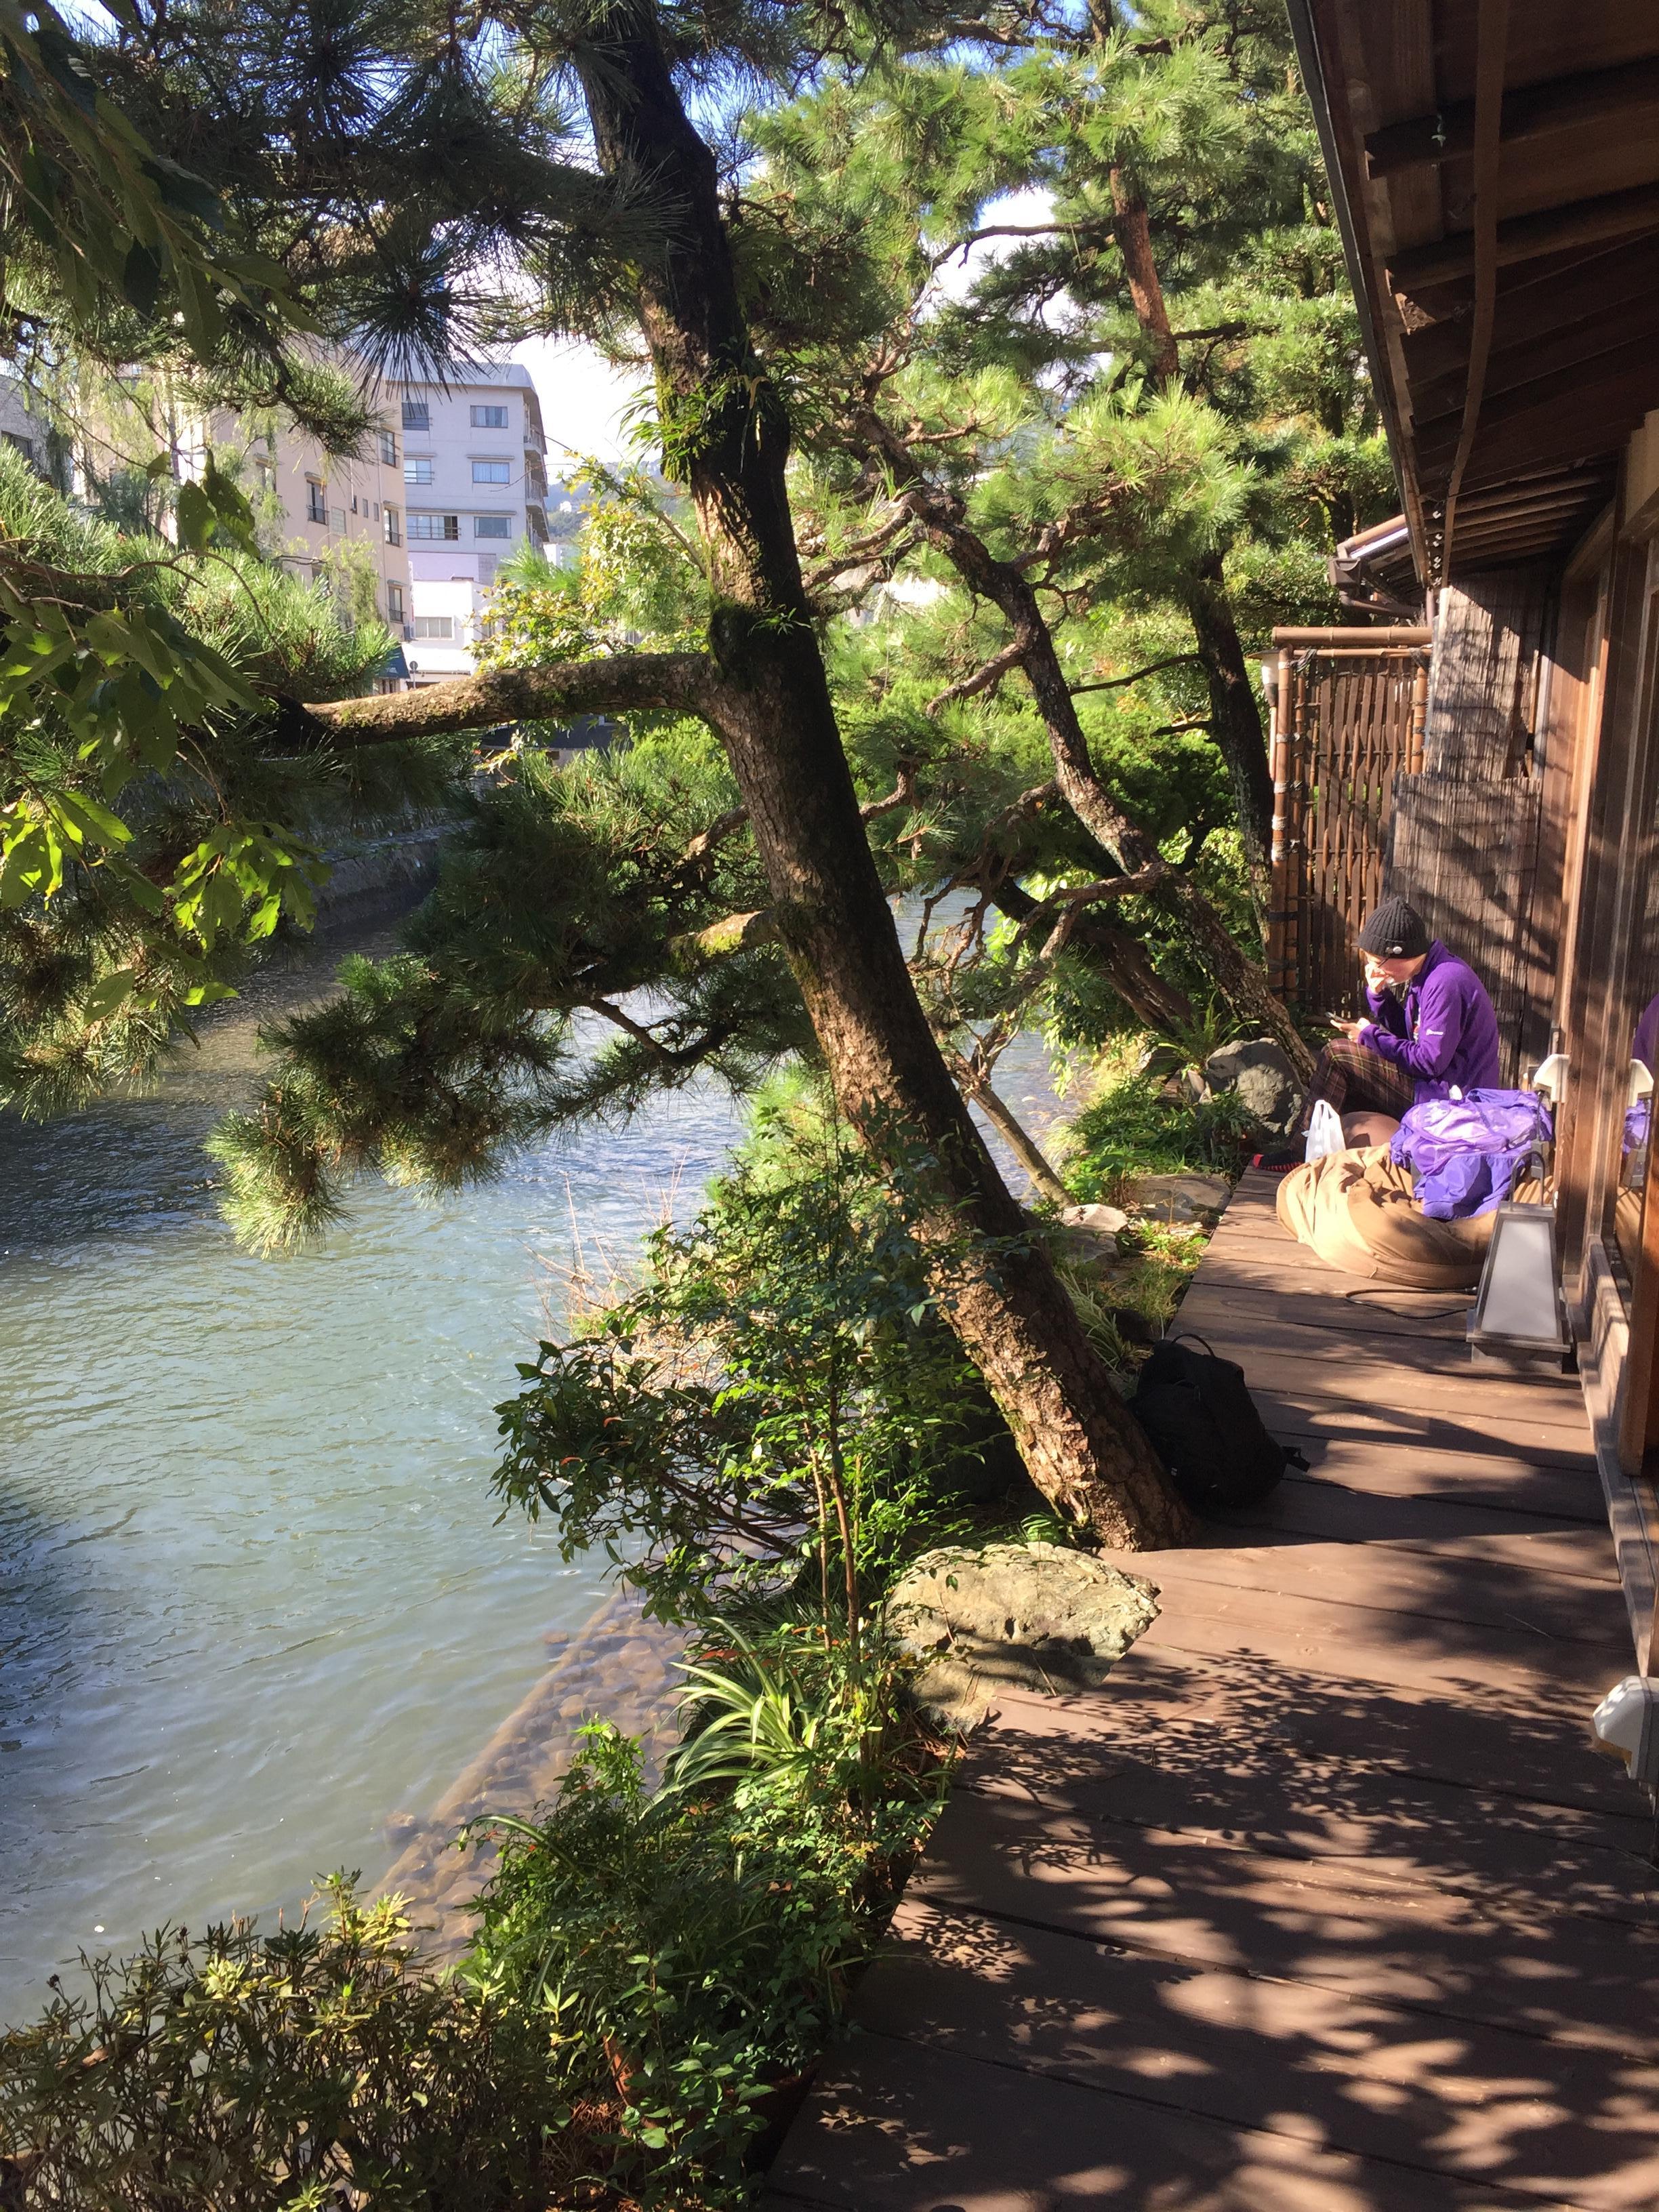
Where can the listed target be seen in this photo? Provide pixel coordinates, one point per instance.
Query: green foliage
(777, 1401)
(1130, 1129)
(287, 2070)
(689, 1953)
(563, 891)
(97, 213)
(149, 839)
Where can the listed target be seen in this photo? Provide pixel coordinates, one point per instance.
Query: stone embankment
(620, 1667)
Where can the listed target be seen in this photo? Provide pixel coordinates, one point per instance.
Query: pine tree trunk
(1154, 1001)
(727, 432)
(1235, 721)
(1235, 717)
(943, 516)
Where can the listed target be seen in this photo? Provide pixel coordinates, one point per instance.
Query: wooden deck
(1324, 1904)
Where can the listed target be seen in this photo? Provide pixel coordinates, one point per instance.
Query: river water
(253, 1601)
(255, 1610)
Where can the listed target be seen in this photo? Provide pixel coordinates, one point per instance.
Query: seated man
(1431, 1028)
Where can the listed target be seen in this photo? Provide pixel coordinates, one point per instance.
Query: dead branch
(982, 680)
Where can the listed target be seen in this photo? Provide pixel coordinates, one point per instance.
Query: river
(255, 1609)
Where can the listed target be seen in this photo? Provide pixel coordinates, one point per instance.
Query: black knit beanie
(1396, 931)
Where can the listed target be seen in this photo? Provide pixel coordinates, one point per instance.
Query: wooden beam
(1491, 48)
(1398, 636)
(1515, 363)
(1633, 353)
(1527, 472)
(1516, 540)
(1511, 513)
(1530, 113)
(1587, 434)
(1523, 237)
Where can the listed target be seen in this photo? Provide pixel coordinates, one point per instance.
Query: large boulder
(1012, 1617)
(1260, 1073)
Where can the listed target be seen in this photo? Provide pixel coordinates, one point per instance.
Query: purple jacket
(1443, 1033)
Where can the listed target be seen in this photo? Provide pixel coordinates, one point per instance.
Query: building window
(417, 416)
(490, 418)
(394, 535)
(487, 566)
(394, 602)
(435, 525)
(492, 525)
(492, 472)
(389, 448)
(20, 445)
(337, 520)
(417, 472)
(442, 626)
(316, 502)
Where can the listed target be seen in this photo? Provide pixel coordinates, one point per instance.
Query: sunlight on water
(253, 1601)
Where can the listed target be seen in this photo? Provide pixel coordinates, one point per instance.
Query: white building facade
(475, 491)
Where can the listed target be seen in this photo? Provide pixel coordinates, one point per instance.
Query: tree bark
(1135, 243)
(1235, 721)
(626, 683)
(1122, 959)
(726, 431)
(1019, 1141)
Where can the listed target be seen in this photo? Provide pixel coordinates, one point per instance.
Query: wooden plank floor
(1323, 1904)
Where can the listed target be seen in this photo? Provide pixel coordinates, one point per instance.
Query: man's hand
(1349, 1029)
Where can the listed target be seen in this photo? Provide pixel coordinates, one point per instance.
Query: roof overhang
(1495, 167)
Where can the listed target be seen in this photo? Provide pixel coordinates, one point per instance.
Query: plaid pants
(1357, 1080)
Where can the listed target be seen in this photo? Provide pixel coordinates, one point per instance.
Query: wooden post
(1278, 966)
(1419, 720)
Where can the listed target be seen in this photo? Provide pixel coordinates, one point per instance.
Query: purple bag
(1465, 1153)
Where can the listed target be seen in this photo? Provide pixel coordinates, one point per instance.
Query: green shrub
(689, 1951)
(1129, 1130)
(244, 2072)
(778, 1399)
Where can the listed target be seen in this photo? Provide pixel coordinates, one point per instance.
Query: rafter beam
(1633, 366)
(1523, 237)
(1531, 111)
(1580, 352)
(1533, 304)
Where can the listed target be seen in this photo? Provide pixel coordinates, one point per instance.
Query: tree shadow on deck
(1247, 1938)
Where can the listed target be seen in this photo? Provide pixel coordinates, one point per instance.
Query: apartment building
(475, 488)
(312, 507)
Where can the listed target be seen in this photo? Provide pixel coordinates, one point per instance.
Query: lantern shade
(1518, 1315)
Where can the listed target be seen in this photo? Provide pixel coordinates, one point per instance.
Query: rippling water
(253, 1601)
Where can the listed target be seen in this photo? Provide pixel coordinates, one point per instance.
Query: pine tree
(383, 166)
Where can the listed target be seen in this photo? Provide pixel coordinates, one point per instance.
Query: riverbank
(617, 1666)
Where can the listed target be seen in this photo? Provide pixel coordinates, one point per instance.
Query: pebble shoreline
(619, 1667)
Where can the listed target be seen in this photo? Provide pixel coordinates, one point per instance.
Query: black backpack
(1203, 1424)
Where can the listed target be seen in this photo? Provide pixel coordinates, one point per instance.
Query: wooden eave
(1515, 343)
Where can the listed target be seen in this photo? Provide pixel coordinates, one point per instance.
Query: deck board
(1323, 1904)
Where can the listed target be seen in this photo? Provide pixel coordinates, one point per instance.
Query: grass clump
(1131, 1129)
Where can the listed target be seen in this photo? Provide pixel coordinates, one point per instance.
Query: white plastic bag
(1324, 1131)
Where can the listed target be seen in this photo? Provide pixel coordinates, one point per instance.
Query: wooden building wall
(1466, 840)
